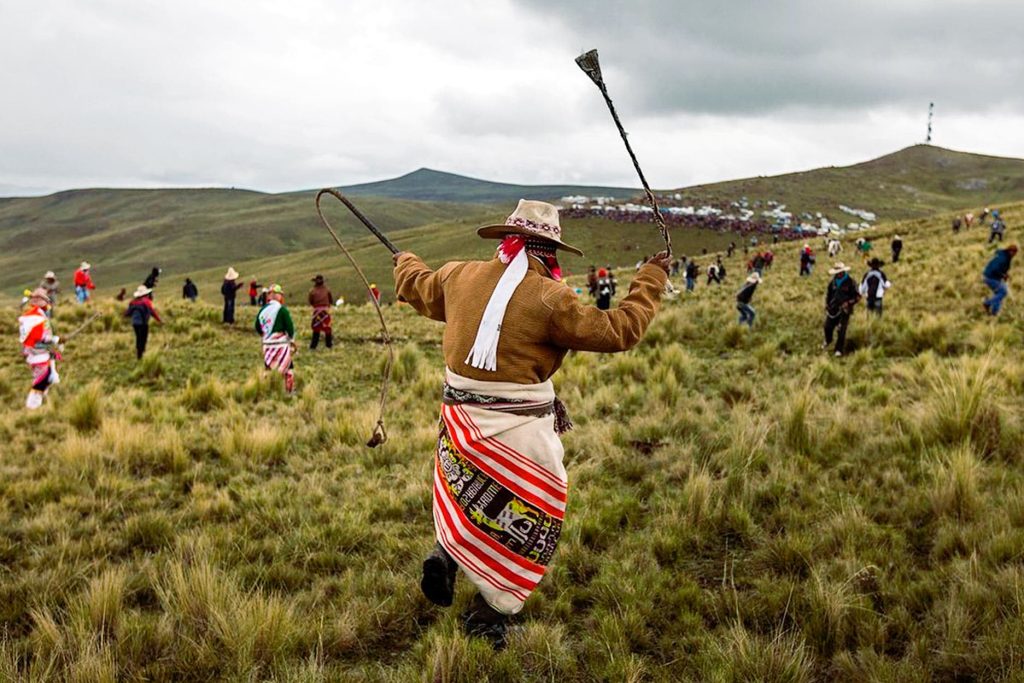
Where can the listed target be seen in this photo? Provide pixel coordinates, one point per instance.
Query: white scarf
(484, 354)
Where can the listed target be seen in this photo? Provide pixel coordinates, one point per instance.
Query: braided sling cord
(380, 434)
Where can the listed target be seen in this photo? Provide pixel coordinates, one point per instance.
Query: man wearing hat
(873, 286)
(83, 282)
(39, 345)
(744, 297)
(52, 288)
(140, 310)
(274, 323)
(228, 289)
(320, 298)
(840, 298)
(500, 487)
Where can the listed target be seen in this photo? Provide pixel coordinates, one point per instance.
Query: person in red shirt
(140, 310)
(254, 290)
(375, 292)
(83, 282)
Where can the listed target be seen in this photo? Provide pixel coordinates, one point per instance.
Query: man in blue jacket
(996, 273)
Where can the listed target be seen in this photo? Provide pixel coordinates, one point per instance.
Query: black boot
(329, 340)
(315, 341)
(438, 582)
(483, 621)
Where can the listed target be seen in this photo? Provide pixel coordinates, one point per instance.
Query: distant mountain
(427, 184)
(917, 181)
(126, 232)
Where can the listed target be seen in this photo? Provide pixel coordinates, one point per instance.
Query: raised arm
(421, 287)
(575, 325)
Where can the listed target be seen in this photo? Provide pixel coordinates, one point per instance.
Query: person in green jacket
(274, 324)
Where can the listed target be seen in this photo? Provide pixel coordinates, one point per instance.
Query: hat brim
(499, 231)
(836, 271)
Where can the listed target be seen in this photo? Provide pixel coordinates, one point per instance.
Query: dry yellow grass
(742, 506)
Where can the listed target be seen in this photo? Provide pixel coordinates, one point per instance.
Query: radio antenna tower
(931, 110)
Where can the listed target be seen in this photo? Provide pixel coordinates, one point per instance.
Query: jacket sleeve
(421, 287)
(575, 325)
(286, 321)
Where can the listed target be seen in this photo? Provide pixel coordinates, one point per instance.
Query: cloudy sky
(276, 95)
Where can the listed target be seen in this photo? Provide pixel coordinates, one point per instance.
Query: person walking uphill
(692, 273)
(140, 310)
(52, 288)
(996, 273)
(744, 297)
(151, 280)
(605, 290)
(500, 487)
(39, 345)
(274, 323)
(228, 290)
(83, 282)
(320, 298)
(840, 298)
(189, 290)
(897, 248)
(873, 286)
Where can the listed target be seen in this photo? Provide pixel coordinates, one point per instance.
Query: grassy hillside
(428, 184)
(916, 181)
(603, 242)
(742, 506)
(124, 233)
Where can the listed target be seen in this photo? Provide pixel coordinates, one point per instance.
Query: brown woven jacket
(543, 321)
(320, 296)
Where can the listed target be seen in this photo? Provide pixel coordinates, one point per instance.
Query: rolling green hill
(604, 242)
(277, 236)
(917, 181)
(428, 184)
(124, 233)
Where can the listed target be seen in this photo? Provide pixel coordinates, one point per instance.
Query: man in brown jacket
(320, 298)
(499, 483)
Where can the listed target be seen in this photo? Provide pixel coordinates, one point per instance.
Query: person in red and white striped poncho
(39, 346)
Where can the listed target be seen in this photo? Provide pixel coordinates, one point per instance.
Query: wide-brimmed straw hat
(85, 266)
(232, 274)
(141, 290)
(50, 275)
(275, 289)
(39, 294)
(532, 219)
(839, 267)
(754, 277)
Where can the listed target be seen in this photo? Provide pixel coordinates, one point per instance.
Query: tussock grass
(957, 483)
(204, 395)
(756, 510)
(85, 412)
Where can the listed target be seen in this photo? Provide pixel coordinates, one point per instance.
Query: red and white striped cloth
(277, 356)
(499, 485)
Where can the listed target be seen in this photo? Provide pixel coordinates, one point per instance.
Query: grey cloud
(748, 57)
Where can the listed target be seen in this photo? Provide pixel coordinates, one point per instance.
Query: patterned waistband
(516, 406)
